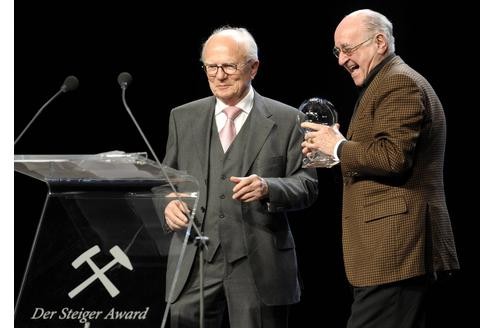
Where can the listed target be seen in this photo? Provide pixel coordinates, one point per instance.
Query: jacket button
(222, 196)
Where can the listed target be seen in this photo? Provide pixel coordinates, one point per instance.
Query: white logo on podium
(119, 258)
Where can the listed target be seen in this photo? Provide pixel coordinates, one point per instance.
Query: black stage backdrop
(159, 44)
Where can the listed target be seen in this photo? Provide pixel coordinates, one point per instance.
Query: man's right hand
(176, 215)
(321, 137)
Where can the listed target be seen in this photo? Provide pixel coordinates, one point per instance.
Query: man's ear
(382, 44)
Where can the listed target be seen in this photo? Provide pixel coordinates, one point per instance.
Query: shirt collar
(246, 103)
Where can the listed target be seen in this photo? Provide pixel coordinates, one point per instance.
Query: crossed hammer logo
(119, 258)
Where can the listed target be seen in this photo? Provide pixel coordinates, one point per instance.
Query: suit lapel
(359, 111)
(259, 129)
(202, 129)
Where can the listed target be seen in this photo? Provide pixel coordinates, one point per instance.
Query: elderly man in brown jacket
(396, 227)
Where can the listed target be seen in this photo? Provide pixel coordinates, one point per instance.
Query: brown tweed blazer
(395, 220)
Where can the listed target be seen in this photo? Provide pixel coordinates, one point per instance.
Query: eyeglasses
(229, 69)
(349, 50)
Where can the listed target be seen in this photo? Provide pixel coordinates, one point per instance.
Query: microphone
(124, 80)
(70, 83)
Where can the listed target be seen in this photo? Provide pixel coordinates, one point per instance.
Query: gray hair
(378, 23)
(241, 36)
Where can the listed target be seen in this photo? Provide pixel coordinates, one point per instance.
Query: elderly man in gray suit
(245, 151)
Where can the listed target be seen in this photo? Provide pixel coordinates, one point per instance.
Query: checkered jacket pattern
(395, 220)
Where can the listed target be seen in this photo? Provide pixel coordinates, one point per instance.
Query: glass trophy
(320, 111)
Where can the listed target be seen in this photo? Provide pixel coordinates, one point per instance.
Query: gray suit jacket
(273, 152)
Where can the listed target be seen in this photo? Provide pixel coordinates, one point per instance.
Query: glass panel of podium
(99, 255)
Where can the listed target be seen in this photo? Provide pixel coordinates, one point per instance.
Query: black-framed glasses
(229, 69)
(348, 50)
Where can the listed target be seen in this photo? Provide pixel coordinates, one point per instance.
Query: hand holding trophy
(320, 111)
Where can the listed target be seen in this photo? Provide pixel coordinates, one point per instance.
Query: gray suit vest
(223, 219)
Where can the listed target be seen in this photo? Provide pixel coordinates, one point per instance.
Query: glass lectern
(100, 251)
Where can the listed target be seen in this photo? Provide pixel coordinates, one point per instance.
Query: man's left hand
(249, 189)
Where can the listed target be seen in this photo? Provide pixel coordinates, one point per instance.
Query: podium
(100, 251)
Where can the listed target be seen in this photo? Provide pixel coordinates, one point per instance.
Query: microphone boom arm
(198, 232)
(36, 115)
(70, 83)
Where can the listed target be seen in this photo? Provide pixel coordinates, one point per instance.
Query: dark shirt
(371, 76)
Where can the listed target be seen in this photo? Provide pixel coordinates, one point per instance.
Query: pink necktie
(227, 133)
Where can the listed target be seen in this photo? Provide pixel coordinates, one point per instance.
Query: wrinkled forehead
(349, 31)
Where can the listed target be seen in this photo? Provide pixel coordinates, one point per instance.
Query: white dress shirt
(246, 104)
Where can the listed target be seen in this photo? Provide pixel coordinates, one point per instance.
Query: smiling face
(225, 50)
(360, 49)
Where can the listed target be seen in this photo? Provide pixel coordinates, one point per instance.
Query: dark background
(159, 44)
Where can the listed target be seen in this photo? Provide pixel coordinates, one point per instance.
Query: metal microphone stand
(124, 80)
(200, 242)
